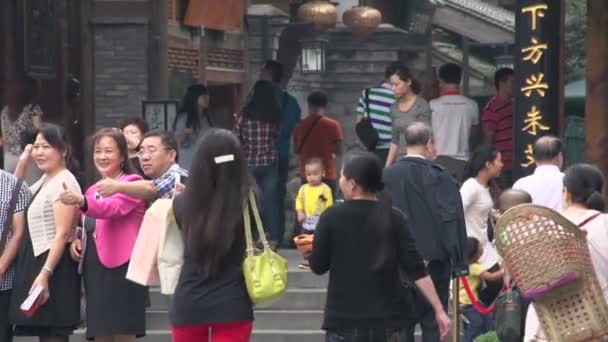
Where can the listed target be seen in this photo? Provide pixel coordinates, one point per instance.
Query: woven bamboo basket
(540, 246)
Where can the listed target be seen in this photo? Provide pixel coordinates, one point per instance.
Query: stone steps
(295, 317)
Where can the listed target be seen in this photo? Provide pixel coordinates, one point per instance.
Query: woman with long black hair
(366, 244)
(192, 122)
(211, 301)
(484, 166)
(258, 128)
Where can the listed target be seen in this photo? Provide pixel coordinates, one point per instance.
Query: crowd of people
(414, 212)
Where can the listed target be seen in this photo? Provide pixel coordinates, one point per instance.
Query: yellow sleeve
(300, 198)
(475, 270)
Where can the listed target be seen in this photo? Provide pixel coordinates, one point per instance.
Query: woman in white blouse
(44, 259)
(584, 205)
(484, 166)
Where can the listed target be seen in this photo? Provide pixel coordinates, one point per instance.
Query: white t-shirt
(478, 204)
(452, 119)
(545, 186)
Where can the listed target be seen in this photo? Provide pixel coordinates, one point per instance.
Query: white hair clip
(224, 159)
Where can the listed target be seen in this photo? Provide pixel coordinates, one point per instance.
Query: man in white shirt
(455, 118)
(545, 185)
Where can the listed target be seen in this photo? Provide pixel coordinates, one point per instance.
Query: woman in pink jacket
(115, 306)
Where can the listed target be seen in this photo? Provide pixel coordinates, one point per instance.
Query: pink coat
(117, 223)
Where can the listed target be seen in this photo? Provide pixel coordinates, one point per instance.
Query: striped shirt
(40, 215)
(497, 117)
(380, 101)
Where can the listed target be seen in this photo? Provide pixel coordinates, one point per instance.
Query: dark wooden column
(596, 121)
(539, 69)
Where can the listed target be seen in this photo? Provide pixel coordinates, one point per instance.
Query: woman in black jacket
(367, 245)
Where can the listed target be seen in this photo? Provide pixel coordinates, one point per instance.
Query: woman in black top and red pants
(211, 301)
(367, 244)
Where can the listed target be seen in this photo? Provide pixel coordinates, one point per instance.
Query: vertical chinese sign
(537, 69)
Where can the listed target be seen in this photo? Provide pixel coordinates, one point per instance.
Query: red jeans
(219, 332)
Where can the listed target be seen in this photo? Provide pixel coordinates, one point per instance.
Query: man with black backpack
(15, 196)
(374, 123)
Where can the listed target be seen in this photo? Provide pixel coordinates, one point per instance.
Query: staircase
(296, 317)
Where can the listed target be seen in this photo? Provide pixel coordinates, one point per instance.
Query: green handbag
(266, 271)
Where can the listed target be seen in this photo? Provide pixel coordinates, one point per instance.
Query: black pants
(366, 335)
(441, 273)
(6, 329)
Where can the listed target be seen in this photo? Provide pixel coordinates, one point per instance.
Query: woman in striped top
(375, 103)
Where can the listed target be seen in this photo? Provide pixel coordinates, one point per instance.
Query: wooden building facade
(95, 61)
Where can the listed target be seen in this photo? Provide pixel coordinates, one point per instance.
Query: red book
(33, 302)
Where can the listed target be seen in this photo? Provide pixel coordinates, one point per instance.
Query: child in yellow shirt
(312, 199)
(478, 324)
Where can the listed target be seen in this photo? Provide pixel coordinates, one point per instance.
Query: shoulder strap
(303, 142)
(8, 222)
(589, 219)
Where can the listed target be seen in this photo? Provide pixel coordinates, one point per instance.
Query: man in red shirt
(497, 121)
(319, 136)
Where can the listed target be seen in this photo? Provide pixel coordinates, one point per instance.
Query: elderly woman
(584, 205)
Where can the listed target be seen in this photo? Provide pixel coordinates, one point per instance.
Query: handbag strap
(299, 149)
(258, 222)
(8, 222)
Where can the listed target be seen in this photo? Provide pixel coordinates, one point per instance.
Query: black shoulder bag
(8, 222)
(364, 128)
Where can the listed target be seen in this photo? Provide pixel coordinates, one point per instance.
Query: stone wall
(352, 66)
(121, 69)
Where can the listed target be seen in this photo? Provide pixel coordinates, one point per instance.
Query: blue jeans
(266, 180)
(478, 324)
(366, 335)
(283, 171)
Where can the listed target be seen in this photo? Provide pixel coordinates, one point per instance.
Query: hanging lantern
(312, 59)
(362, 20)
(320, 12)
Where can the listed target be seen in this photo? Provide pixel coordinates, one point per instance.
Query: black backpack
(364, 128)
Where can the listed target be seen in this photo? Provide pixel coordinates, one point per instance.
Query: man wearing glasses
(158, 159)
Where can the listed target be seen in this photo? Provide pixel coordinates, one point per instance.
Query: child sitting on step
(312, 200)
